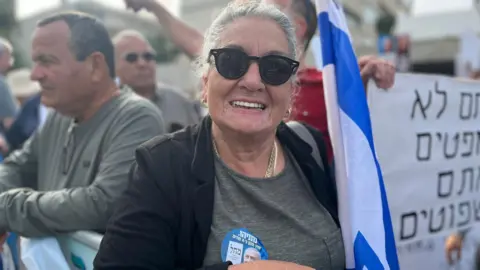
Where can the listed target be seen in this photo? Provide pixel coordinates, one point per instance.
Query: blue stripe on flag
(347, 74)
(324, 27)
(337, 50)
(366, 255)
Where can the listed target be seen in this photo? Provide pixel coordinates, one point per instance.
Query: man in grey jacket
(69, 174)
(136, 67)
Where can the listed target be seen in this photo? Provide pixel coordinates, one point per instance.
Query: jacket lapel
(204, 171)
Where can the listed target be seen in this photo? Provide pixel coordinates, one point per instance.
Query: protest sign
(427, 137)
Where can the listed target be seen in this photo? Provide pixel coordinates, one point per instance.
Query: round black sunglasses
(133, 57)
(233, 63)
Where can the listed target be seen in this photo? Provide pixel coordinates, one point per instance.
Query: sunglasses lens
(231, 64)
(131, 57)
(149, 56)
(275, 70)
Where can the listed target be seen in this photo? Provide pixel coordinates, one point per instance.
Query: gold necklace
(272, 161)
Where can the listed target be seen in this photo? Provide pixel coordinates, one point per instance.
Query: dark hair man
(68, 175)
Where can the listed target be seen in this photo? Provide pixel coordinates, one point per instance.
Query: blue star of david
(364, 254)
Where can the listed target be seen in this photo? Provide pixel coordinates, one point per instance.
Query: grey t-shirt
(282, 212)
(8, 106)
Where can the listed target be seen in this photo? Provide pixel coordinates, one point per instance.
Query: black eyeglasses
(133, 57)
(233, 63)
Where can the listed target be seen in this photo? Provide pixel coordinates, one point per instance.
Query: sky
(27, 7)
(433, 6)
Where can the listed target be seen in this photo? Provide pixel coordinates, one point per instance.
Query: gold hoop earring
(204, 102)
(288, 113)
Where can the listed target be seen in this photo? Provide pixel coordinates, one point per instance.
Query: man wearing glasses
(69, 174)
(136, 67)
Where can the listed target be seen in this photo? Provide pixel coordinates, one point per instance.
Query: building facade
(114, 19)
(362, 16)
(436, 37)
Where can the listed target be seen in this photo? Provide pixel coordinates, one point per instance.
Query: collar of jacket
(202, 164)
(203, 169)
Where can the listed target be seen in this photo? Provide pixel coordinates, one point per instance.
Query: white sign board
(427, 137)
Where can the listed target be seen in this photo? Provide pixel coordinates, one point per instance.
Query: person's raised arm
(33, 213)
(184, 36)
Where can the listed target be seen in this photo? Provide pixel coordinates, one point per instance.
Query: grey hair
(5, 45)
(128, 33)
(234, 11)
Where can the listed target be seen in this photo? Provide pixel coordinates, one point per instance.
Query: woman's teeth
(247, 105)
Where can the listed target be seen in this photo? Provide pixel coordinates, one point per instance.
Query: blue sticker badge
(241, 246)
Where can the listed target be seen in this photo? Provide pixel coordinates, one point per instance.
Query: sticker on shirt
(241, 246)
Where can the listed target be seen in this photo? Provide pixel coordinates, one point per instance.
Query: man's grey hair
(237, 10)
(5, 45)
(128, 33)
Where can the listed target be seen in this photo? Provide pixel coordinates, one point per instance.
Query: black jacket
(163, 221)
(25, 124)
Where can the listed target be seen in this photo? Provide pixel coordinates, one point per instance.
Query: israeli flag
(363, 208)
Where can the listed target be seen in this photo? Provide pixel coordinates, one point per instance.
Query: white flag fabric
(42, 254)
(363, 208)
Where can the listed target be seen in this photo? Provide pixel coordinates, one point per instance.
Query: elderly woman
(241, 190)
